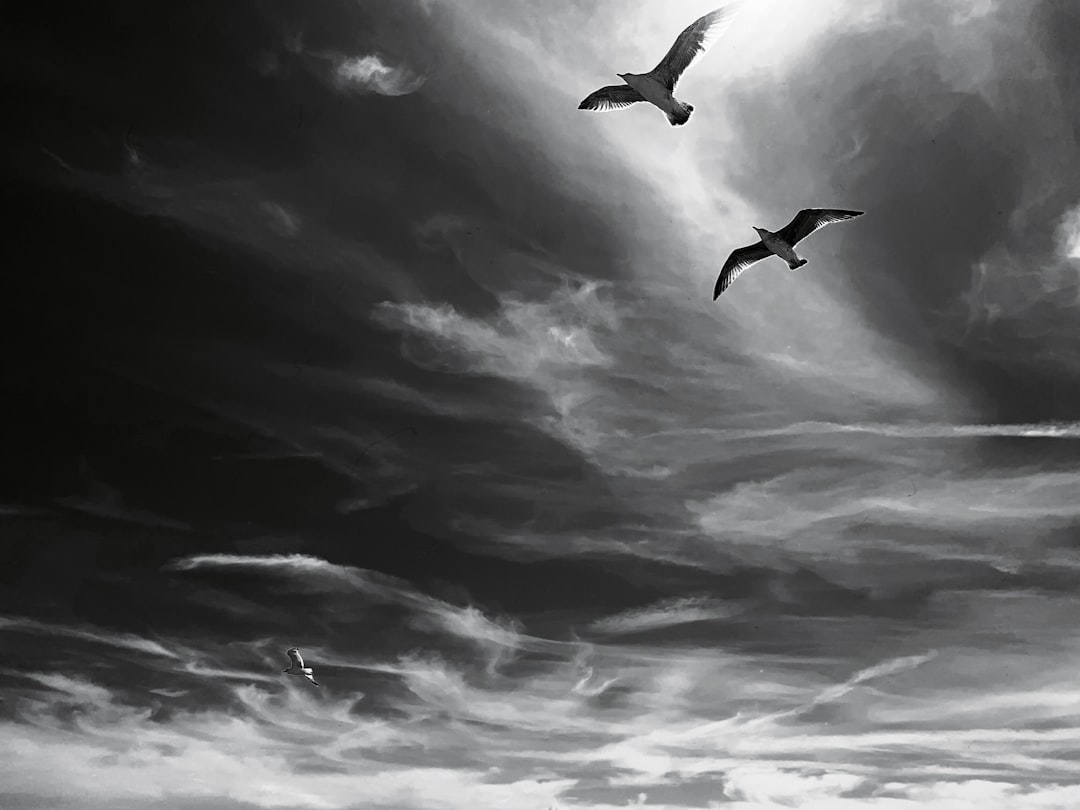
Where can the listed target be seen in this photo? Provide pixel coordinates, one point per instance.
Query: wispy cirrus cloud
(669, 613)
(526, 340)
(284, 221)
(497, 638)
(76, 689)
(552, 345)
(914, 430)
(124, 641)
(300, 564)
(893, 519)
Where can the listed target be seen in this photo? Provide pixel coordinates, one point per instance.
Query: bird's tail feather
(796, 265)
(680, 114)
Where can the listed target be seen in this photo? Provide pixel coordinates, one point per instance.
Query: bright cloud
(370, 73)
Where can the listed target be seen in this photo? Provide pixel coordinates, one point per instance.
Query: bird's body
(657, 87)
(776, 244)
(296, 667)
(781, 243)
(653, 91)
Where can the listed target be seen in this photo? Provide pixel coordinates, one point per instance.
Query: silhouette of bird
(297, 666)
(782, 243)
(658, 85)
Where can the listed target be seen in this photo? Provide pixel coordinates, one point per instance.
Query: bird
(782, 243)
(297, 666)
(658, 85)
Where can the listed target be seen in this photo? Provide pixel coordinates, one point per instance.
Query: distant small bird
(658, 85)
(782, 243)
(297, 666)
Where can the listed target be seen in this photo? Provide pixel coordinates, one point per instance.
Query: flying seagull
(297, 666)
(658, 85)
(782, 243)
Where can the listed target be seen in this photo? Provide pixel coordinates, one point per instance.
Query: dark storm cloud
(965, 165)
(170, 313)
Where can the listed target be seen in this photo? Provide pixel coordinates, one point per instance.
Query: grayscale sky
(338, 325)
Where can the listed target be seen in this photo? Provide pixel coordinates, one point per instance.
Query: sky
(339, 326)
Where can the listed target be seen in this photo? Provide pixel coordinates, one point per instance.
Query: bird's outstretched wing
(294, 655)
(691, 45)
(611, 97)
(810, 219)
(738, 261)
(311, 678)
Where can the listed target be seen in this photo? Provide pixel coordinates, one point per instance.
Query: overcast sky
(337, 325)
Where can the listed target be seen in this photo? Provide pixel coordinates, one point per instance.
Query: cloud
(78, 689)
(369, 73)
(101, 499)
(207, 755)
(287, 563)
(497, 638)
(889, 526)
(881, 670)
(124, 641)
(548, 708)
(550, 345)
(764, 785)
(664, 614)
(526, 340)
(535, 735)
(586, 686)
(913, 430)
(283, 220)
(59, 161)
(1068, 234)
(169, 693)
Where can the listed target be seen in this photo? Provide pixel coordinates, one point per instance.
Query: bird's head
(760, 231)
